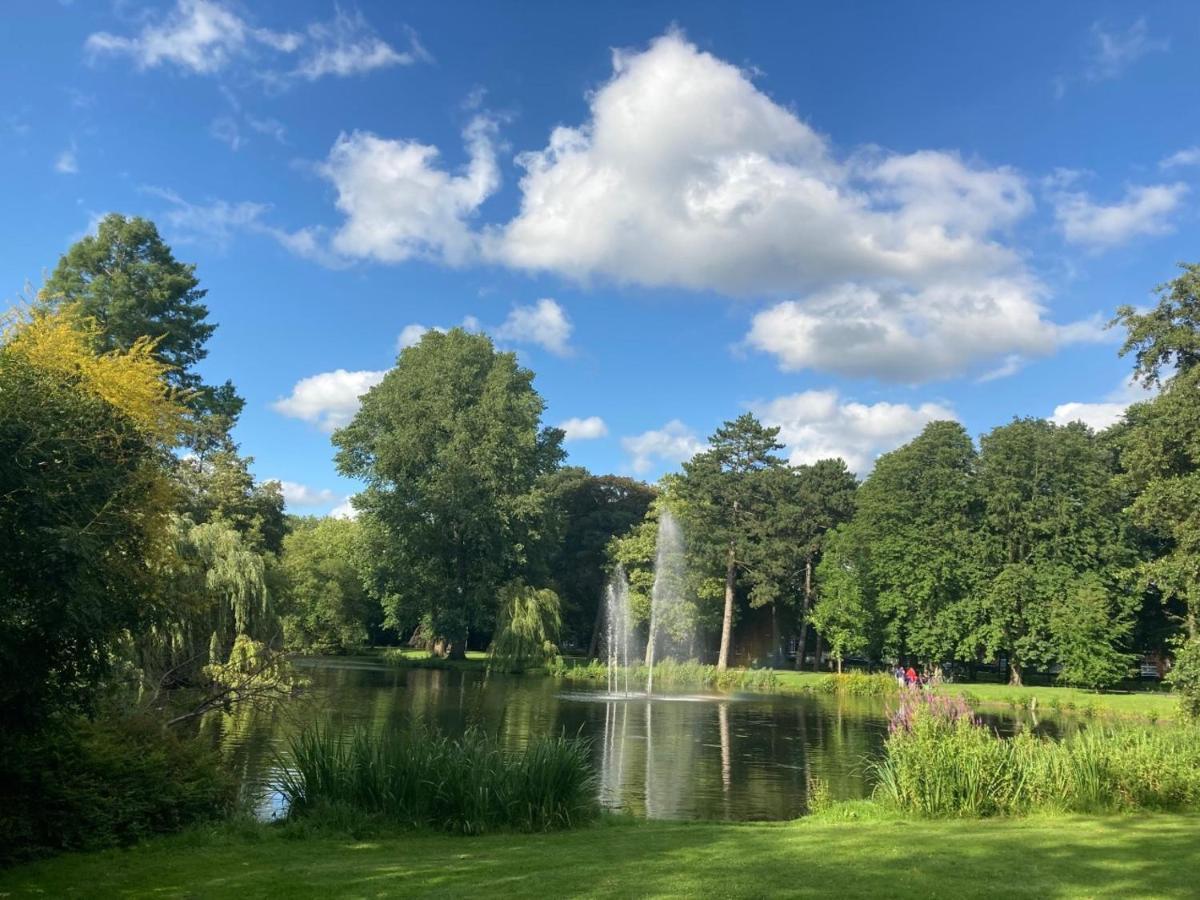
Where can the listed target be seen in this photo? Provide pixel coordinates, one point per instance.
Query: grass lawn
(1150, 856)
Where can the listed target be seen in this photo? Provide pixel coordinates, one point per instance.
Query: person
(911, 676)
(898, 674)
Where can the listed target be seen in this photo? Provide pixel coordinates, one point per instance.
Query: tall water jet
(618, 630)
(670, 613)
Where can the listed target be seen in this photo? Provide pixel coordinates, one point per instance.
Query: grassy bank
(1150, 856)
(1145, 706)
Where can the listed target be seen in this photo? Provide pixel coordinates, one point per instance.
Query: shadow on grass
(1153, 856)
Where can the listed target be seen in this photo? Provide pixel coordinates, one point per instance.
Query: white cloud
(588, 429)
(671, 444)
(399, 204)
(348, 46)
(344, 510)
(1101, 414)
(542, 323)
(819, 425)
(216, 222)
(911, 336)
(1189, 156)
(1112, 52)
(201, 36)
(66, 163)
(328, 400)
(272, 128)
(686, 174)
(225, 129)
(297, 494)
(410, 335)
(1144, 210)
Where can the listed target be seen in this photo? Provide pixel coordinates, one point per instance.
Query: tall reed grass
(419, 778)
(670, 673)
(940, 762)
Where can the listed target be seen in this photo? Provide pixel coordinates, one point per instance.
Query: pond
(677, 756)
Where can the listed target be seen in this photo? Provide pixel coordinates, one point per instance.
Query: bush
(418, 778)
(88, 785)
(941, 763)
(1185, 678)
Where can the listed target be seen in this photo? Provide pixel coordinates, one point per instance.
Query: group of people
(906, 677)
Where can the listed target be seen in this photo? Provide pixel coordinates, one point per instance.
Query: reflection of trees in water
(738, 758)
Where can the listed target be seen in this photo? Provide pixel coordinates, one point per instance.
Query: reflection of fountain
(618, 632)
(670, 615)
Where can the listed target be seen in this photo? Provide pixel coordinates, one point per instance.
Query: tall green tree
(842, 614)
(807, 502)
(1051, 516)
(587, 511)
(451, 448)
(725, 492)
(911, 543)
(126, 278)
(324, 606)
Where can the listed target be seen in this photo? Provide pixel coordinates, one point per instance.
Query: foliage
(856, 684)
(842, 615)
(527, 626)
(420, 779)
(126, 279)
(1166, 337)
(725, 496)
(1185, 677)
(324, 607)
(84, 523)
(452, 452)
(1051, 515)
(586, 512)
(940, 763)
(83, 785)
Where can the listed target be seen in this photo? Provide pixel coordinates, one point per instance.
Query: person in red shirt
(910, 675)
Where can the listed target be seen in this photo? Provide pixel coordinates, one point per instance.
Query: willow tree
(451, 448)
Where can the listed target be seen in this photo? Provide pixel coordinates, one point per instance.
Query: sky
(850, 219)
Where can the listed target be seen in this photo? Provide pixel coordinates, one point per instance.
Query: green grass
(1149, 856)
(423, 659)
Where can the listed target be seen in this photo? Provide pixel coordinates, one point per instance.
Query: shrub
(88, 785)
(1185, 677)
(940, 762)
(418, 778)
(857, 684)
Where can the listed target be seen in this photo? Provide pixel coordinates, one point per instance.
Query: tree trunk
(727, 622)
(596, 626)
(804, 612)
(839, 665)
(1014, 673)
(817, 658)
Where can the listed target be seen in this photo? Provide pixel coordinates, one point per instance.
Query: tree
(806, 503)
(84, 517)
(912, 542)
(452, 451)
(1087, 626)
(528, 625)
(587, 512)
(725, 494)
(842, 613)
(126, 278)
(1051, 515)
(325, 607)
(1166, 338)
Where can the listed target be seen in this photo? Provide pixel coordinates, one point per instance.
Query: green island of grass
(1122, 856)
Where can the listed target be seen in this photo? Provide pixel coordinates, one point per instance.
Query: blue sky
(850, 219)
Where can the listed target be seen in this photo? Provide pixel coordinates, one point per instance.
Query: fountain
(670, 614)
(618, 631)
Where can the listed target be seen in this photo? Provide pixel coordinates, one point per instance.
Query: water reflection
(731, 758)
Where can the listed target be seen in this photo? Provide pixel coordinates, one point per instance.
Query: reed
(418, 778)
(940, 762)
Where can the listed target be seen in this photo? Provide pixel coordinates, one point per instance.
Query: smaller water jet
(618, 630)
